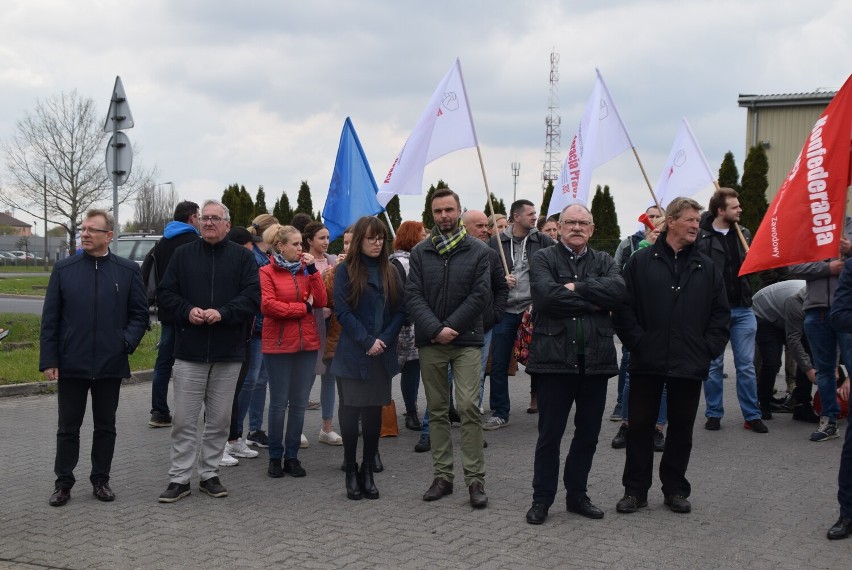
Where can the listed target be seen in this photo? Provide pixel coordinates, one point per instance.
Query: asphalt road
(13, 304)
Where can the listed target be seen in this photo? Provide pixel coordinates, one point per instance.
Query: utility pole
(552, 158)
(516, 170)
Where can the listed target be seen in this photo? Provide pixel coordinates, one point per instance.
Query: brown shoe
(478, 499)
(59, 497)
(103, 492)
(439, 488)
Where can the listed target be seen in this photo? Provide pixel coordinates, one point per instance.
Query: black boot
(353, 485)
(377, 463)
(368, 486)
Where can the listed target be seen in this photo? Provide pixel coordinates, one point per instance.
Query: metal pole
(115, 185)
(516, 169)
(46, 252)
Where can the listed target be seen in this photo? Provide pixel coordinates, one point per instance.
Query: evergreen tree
(499, 206)
(393, 212)
(231, 199)
(754, 185)
(428, 221)
(303, 200)
(728, 174)
(276, 209)
(545, 201)
(285, 212)
(607, 233)
(245, 214)
(260, 203)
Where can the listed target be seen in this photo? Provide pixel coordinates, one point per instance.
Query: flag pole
(390, 225)
(648, 182)
(736, 225)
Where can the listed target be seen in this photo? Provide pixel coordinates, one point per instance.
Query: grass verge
(29, 285)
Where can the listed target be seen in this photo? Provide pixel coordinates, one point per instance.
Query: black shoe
(678, 503)
(659, 440)
(353, 482)
(841, 529)
(102, 491)
(368, 485)
(159, 419)
(630, 503)
(620, 439)
(425, 444)
(275, 470)
(537, 513)
(213, 487)
(805, 413)
(412, 422)
(757, 426)
(478, 498)
(454, 416)
(378, 466)
(713, 424)
(257, 438)
(783, 405)
(765, 412)
(59, 497)
(294, 467)
(175, 492)
(439, 488)
(584, 507)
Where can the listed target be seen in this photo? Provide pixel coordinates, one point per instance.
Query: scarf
(291, 266)
(447, 243)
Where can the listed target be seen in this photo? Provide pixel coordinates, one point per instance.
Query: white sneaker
(239, 449)
(330, 438)
(304, 444)
(228, 460)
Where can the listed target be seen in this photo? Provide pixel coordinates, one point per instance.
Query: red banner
(806, 219)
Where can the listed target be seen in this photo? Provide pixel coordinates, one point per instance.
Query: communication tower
(552, 158)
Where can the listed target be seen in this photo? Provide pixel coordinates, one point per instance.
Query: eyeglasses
(210, 219)
(375, 239)
(581, 223)
(86, 229)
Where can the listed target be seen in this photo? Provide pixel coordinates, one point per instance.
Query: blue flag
(352, 192)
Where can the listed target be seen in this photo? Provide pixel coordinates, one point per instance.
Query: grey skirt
(375, 390)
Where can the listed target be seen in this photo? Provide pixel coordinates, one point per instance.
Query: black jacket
(95, 314)
(157, 261)
(499, 291)
(222, 276)
(672, 324)
(450, 291)
(558, 314)
(712, 244)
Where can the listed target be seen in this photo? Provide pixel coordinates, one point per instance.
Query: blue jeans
(409, 384)
(290, 378)
(662, 415)
(823, 340)
(743, 330)
(503, 337)
(163, 369)
(256, 380)
(486, 350)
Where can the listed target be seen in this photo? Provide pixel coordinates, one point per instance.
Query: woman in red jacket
(290, 288)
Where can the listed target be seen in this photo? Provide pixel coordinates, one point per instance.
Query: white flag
(444, 126)
(686, 171)
(600, 137)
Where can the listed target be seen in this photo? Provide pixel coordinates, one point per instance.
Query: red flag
(806, 219)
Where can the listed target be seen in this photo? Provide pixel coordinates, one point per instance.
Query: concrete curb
(36, 388)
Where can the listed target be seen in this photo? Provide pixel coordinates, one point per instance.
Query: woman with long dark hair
(368, 303)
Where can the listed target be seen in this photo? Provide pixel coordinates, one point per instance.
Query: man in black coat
(572, 355)
(95, 314)
(674, 321)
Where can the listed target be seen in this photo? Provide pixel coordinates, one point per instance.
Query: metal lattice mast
(552, 160)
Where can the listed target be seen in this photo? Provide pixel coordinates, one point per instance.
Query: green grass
(22, 269)
(34, 285)
(19, 351)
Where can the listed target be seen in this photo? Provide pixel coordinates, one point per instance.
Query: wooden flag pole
(648, 182)
(491, 205)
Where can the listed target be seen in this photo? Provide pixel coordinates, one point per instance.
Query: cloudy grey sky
(256, 92)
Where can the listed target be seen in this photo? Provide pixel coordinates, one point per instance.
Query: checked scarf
(446, 243)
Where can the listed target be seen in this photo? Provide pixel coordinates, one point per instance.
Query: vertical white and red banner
(806, 219)
(600, 137)
(686, 170)
(445, 125)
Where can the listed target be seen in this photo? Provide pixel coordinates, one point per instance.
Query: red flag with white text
(806, 219)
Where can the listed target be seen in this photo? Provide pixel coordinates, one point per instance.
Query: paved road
(20, 304)
(760, 501)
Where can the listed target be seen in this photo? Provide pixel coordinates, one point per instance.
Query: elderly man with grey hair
(212, 288)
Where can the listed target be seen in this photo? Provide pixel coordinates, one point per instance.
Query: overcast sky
(256, 92)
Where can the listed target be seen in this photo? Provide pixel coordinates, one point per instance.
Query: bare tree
(62, 141)
(154, 208)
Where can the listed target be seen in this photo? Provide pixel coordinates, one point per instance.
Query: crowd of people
(244, 311)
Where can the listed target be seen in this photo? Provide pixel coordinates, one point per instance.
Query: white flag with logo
(444, 126)
(600, 137)
(686, 170)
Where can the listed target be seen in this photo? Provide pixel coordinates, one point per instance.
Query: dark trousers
(770, 344)
(557, 393)
(645, 393)
(72, 396)
(163, 369)
(844, 478)
(371, 427)
(235, 431)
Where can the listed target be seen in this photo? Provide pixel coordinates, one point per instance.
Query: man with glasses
(212, 288)
(95, 314)
(572, 355)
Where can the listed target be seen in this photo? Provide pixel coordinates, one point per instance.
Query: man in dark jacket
(719, 240)
(182, 230)
(674, 321)
(95, 314)
(212, 288)
(520, 241)
(572, 355)
(446, 295)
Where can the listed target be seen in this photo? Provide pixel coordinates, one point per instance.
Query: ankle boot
(378, 467)
(353, 484)
(368, 486)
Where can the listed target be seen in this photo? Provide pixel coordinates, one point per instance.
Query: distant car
(136, 246)
(7, 258)
(22, 254)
